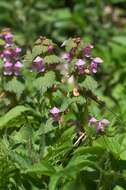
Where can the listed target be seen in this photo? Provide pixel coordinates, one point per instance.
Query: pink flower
(8, 36)
(80, 66)
(8, 68)
(93, 120)
(17, 68)
(95, 62)
(50, 48)
(17, 50)
(8, 39)
(55, 112)
(6, 55)
(87, 50)
(67, 57)
(38, 64)
(100, 125)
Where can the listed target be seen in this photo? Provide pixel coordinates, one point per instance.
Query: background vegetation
(102, 23)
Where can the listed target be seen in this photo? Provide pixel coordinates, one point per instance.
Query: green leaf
(50, 59)
(28, 59)
(75, 166)
(22, 135)
(70, 44)
(92, 150)
(110, 144)
(54, 180)
(120, 40)
(12, 114)
(75, 184)
(45, 128)
(118, 188)
(68, 101)
(15, 86)
(43, 168)
(67, 135)
(2, 42)
(79, 163)
(39, 49)
(123, 147)
(43, 83)
(89, 83)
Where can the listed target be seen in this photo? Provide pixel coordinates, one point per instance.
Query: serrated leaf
(111, 144)
(22, 135)
(43, 83)
(70, 44)
(68, 101)
(39, 49)
(28, 59)
(47, 42)
(89, 83)
(15, 86)
(50, 59)
(44, 129)
(12, 114)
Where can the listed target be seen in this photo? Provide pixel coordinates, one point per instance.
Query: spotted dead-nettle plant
(55, 133)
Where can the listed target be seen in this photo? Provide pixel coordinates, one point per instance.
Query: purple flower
(6, 54)
(8, 36)
(67, 57)
(17, 50)
(38, 64)
(95, 62)
(17, 68)
(8, 68)
(50, 48)
(8, 39)
(55, 113)
(87, 50)
(80, 66)
(12, 65)
(100, 125)
(93, 121)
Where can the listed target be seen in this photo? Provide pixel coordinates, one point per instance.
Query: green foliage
(37, 153)
(12, 114)
(40, 152)
(43, 83)
(15, 86)
(89, 83)
(50, 59)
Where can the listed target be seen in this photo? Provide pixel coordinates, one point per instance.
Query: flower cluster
(10, 53)
(100, 125)
(86, 63)
(38, 63)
